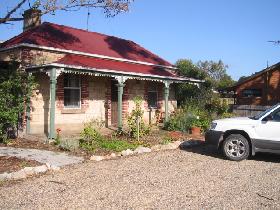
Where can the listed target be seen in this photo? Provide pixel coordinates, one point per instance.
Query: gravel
(195, 178)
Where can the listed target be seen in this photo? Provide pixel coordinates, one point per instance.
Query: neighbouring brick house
(85, 75)
(262, 88)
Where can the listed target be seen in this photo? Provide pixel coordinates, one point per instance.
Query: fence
(248, 110)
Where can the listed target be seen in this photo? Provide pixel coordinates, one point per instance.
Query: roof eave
(109, 71)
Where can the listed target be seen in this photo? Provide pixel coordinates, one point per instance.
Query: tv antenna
(276, 42)
(88, 14)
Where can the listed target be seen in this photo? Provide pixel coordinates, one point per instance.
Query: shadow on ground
(200, 147)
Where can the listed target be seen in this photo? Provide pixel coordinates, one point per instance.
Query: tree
(216, 73)
(214, 76)
(187, 68)
(242, 78)
(16, 88)
(185, 91)
(110, 7)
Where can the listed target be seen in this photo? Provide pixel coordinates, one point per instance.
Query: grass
(166, 140)
(116, 145)
(24, 164)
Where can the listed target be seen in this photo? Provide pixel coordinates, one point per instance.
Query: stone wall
(93, 94)
(95, 103)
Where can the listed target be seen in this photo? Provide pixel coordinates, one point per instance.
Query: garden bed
(112, 144)
(11, 164)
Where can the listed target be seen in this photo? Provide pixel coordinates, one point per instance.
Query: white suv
(243, 136)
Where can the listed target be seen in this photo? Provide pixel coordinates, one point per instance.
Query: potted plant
(196, 126)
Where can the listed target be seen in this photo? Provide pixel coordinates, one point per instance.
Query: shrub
(137, 113)
(90, 136)
(16, 88)
(191, 114)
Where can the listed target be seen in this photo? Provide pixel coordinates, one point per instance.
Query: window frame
(73, 88)
(155, 90)
(259, 90)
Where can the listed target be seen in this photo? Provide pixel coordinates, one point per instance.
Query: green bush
(195, 113)
(16, 88)
(116, 145)
(132, 119)
(90, 137)
(91, 140)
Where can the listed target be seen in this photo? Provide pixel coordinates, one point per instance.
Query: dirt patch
(10, 164)
(30, 144)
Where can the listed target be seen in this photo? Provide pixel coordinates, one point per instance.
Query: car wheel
(236, 147)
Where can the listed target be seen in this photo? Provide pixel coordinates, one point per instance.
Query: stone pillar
(52, 103)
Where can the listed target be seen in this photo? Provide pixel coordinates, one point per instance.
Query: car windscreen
(257, 117)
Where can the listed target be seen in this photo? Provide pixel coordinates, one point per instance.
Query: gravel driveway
(179, 179)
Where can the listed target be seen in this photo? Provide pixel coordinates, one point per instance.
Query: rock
(156, 147)
(40, 169)
(141, 149)
(4, 176)
(28, 171)
(169, 146)
(177, 143)
(127, 152)
(113, 155)
(54, 168)
(48, 165)
(96, 158)
(18, 175)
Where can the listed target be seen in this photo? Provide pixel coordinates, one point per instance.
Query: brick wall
(268, 83)
(84, 92)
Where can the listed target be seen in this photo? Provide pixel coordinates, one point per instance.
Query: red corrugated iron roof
(106, 64)
(68, 38)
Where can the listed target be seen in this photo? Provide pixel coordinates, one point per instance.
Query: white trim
(117, 72)
(85, 54)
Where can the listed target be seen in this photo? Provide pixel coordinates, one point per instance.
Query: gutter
(178, 79)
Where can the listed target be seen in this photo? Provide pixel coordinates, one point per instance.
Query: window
(152, 95)
(252, 93)
(72, 91)
(276, 116)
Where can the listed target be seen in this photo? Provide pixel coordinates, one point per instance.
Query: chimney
(31, 18)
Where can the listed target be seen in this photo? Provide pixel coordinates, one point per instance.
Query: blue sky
(235, 31)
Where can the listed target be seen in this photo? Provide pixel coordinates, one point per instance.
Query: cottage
(85, 75)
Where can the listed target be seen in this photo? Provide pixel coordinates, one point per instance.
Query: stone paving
(58, 159)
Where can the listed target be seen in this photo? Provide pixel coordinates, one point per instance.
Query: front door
(268, 131)
(114, 103)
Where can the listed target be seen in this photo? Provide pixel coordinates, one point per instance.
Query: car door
(268, 131)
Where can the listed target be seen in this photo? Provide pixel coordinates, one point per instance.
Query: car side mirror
(267, 118)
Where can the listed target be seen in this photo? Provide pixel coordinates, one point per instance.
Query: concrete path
(54, 158)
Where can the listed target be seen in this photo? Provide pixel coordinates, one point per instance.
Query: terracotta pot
(196, 130)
